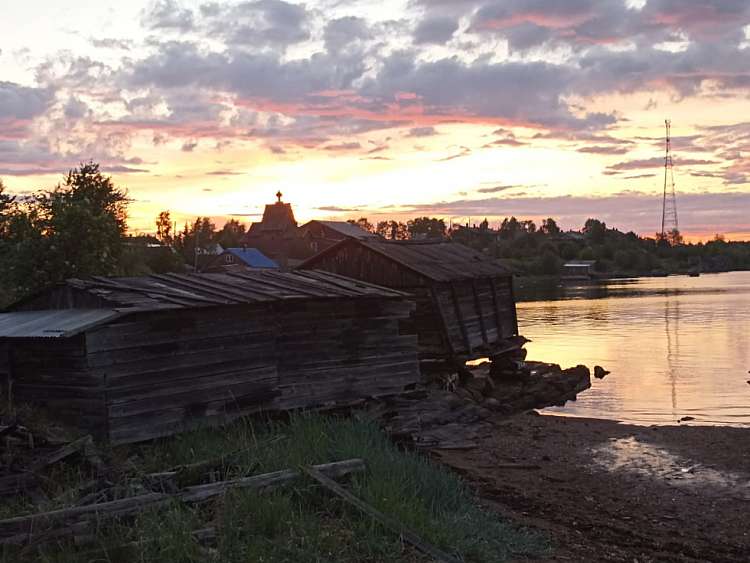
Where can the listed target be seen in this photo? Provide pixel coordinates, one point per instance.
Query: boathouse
(465, 308)
(129, 359)
(578, 269)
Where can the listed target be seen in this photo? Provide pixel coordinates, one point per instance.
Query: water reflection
(635, 456)
(676, 346)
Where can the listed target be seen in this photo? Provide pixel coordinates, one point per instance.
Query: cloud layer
(324, 76)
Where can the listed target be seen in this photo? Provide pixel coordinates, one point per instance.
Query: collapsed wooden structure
(465, 308)
(130, 359)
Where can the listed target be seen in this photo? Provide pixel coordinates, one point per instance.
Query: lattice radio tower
(669, 224)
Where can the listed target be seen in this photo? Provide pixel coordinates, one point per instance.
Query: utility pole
(669, 224)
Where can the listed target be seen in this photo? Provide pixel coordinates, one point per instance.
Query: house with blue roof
(238, 258)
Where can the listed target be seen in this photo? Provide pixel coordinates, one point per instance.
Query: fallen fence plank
(387, 521)
(198, 493)
(21, 529)
(62, 453)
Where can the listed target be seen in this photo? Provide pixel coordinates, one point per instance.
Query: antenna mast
(669, 226)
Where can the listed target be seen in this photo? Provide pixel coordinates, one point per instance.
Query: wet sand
(613, 492)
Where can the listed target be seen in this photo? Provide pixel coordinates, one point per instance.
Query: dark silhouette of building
(319, 235)
(277, 235)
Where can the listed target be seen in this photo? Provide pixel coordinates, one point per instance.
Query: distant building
(579, 269)
(319, 235)
(233, 258)
(277, 235)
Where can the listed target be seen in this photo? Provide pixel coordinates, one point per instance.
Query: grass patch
(303, 521)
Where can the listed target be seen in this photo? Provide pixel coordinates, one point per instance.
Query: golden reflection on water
(676, 347)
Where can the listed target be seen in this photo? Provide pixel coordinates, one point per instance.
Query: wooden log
(267, 481)
(404, 532)
(14, 530)
(62, 453)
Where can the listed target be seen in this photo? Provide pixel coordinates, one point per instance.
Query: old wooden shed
(465, 308)
(130, 359)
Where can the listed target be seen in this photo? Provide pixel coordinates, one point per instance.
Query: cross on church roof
(278, 195)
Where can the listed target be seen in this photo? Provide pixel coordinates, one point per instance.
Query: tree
(7, 203)
(363, 224)
(549, 227)
(231, 234)
(164, 228)
(510, 228)
(595, 230)
(85, 219)
(426, 227)
(73, 230)
(528, 226)
(674, 237)
(392, 230)
(196, 238)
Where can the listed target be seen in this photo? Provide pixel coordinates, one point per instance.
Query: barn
(130, 359)
(465, 308)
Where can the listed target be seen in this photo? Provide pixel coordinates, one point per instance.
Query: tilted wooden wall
(478, 314)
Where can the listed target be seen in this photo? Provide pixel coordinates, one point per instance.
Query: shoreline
(676, 424)
(608, 491)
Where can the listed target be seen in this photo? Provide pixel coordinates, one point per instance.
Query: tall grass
(304, 522)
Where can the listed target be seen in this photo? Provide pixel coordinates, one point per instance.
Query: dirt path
(611, 492)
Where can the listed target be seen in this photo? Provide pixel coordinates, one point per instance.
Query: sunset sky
(463, 109)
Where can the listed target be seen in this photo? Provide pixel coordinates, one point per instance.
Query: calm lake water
(676, 346)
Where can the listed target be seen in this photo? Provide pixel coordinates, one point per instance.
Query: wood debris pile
(453, 412)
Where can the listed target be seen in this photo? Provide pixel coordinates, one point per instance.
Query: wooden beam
(498, 322)
(21, 529)
(478, 306)
(404, 532)
(443, 322)
(513, 305)
(460, 317)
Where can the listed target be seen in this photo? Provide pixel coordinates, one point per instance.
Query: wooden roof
(344, 228)
(59, 323)
(437, 260)
(169, 291)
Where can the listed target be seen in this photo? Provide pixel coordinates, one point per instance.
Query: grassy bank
(300, 522)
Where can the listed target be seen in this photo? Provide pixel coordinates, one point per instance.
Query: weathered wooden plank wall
(356, 261)
(165, 371)
(343, 352)
(53, 372)
(153, 374)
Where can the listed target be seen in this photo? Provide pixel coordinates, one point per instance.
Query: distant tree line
(78, 228)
